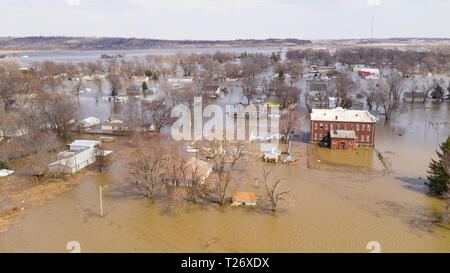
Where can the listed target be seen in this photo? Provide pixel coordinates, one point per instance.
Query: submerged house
(244, 198)
(194, 169)
(239, 110)
(413, 97)
(81, 153)
(337, 127)
(90, 121)
(213, 91)
(118, 127)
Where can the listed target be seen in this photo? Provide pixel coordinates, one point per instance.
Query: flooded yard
(327, 210)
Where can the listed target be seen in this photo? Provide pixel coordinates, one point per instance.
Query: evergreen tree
(148, 73)
(281, 75)
(438, 173)
(144, 86)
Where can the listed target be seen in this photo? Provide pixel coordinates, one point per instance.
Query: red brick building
(341, 128)
(342, 139)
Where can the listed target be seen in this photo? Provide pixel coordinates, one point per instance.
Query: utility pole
(371, 29)
(101, 200)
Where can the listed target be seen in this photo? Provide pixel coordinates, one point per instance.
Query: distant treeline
(389, 40)
(87, 43)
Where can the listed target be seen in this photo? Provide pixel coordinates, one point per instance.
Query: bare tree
(274, 189)
(78, 85)
(193, 175)
(308, 101)
(232, 70)
(427, 87)
(98, 83)
(289, 122)
(53, 83)
(387, 101)
(186, 96)
(147, 165)
(159, 114)
(132, 114)
(248, 89)
(57, 111)
(413, 89)
(342, 86)
(286, 95)
(395, 83)
(225, 156)
(187, 63)
(254, 64)
(266, 87)
(175, 172)
(101, 159)
(115, 84)
(371, 93)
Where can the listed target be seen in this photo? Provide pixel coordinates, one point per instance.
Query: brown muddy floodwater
(327, 211)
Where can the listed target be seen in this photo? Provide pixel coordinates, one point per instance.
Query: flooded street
(327, 211)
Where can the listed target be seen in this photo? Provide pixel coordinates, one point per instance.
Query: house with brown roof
(244, 198)
(194, 169)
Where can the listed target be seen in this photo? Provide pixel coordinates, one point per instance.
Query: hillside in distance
(107, 43)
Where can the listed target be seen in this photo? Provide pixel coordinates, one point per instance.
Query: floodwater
(27, 58)
(327, 211)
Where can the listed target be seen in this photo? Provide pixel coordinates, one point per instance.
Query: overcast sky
(226, 19)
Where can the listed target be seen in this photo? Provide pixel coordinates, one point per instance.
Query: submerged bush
(4, 165)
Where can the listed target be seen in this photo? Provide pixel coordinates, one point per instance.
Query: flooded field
(27, 58)
(327, 211)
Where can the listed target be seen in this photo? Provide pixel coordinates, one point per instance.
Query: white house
(81, 144)
(180, 79)
(115, 98)
(194, 169)
(90, 121)
(82, 153)
(120, 127)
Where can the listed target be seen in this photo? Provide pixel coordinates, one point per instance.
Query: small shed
(241, 198)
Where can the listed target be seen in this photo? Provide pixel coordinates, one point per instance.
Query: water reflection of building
(341, 128)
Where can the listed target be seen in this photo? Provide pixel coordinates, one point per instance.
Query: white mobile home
(82, 153)
(81, 144)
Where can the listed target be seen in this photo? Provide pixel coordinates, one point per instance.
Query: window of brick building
(368, 127)
(357, 127)
(363, 127)
(315, 136)
(368, 138)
